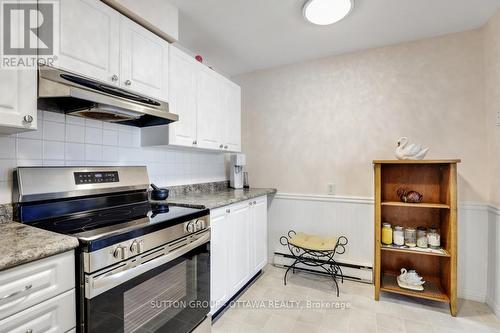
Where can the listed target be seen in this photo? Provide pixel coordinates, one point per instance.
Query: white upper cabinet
(17, 100)
(208, 105)
(232, 116)
(18, 109)
(90, 47)
(144, 61)
(182, 101)
(209, 110)
(111, 48)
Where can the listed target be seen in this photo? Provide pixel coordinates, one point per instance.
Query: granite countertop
(217, 198)
(20, 244)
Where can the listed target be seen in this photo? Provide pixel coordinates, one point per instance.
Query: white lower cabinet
(39, 296)
(57, 315)
(238, 247)
(240, 252)
(259, 233)
(219, 258)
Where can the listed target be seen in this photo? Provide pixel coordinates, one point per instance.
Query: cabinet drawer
(57, 315)
(26, 285)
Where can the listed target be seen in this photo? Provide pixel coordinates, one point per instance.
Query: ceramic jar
(398, 236)
(434, 238)
(422, 237)
(410, 237)
(386, 233)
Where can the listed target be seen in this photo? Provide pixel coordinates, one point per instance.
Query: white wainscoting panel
(493, 240)
(353, 217)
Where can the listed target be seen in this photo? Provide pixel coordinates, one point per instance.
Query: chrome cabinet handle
(195, 142)
(114, 78)
(225, 147)
(26, 288)
(221, 146)
(29, 330)
(255, 202)
(228, 211)
(128, 83)
(28, 118)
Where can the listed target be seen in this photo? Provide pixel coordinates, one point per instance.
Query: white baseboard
(471, 295)
(494, 306)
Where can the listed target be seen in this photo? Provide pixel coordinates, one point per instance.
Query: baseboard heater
(353, 272)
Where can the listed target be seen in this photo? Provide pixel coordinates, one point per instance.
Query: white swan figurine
(410, 280)
(405, 151)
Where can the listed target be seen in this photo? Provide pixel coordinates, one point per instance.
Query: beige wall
(324, 121)
(492, 97)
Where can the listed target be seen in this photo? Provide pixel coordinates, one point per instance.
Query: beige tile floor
(361, 313)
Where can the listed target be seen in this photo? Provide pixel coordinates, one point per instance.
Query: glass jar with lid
(422, 237)
(434, 238)
(386, 233)
(410, 237)
(398, 236)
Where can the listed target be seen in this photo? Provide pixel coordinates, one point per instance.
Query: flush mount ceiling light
(325, 12)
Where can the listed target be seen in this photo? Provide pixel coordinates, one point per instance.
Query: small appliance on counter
(238, 161)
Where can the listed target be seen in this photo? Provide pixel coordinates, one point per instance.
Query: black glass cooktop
(121, 222)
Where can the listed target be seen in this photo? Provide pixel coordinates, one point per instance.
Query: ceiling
(240, 36)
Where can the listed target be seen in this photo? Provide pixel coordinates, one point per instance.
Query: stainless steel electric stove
(141, 267)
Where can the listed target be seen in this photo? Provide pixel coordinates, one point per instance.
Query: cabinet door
(17, 100)
(89, 40)
(55, 315)
(208, 109)
(144, 61)
(232, 113)
(239, 219)
(259, 234)
(219, 260)
(182, 98)
(24, 286)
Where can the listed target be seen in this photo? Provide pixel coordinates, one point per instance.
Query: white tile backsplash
(7, 147)
(28, 149)
(110, 137)
(93, 153)
(53, 116)
(75, 133)
(73, 141)
(93, 135)
(75, 151)
(53, 131)
(53, 150)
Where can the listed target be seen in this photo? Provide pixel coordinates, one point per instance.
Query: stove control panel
(99, 177)
(195, 225)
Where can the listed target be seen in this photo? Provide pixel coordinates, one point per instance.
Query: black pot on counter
(158, 194)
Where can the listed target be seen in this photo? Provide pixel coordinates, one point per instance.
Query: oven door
(166, 289)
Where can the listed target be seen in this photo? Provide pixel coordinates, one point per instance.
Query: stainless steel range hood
(72, 94)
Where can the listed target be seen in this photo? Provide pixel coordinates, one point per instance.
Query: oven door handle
(96, 285)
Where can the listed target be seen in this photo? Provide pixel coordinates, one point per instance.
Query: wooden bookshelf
(437, 181)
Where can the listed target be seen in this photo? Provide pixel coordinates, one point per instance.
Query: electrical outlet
(331, 189)
(498, 118)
